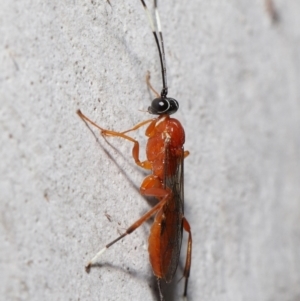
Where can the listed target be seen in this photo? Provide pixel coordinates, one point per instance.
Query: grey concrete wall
(236, 74)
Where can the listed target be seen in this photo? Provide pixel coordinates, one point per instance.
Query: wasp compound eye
(160, 106)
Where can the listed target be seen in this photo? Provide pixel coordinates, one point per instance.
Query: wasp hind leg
(188, 261)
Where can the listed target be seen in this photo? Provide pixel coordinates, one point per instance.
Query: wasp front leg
(136, 147)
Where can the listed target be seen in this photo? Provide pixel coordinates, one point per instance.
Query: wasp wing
(171, 223)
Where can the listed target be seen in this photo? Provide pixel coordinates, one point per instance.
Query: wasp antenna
(164, 91)
(160, 48)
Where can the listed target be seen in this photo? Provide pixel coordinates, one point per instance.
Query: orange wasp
(165, 156)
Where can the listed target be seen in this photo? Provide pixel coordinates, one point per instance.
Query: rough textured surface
(236, 76)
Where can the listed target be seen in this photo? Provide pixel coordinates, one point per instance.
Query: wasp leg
(185, 154)
(187, 268)
(150, 86)
(157, 192)
(136, 148)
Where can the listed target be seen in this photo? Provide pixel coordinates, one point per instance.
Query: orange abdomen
(164, 241)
